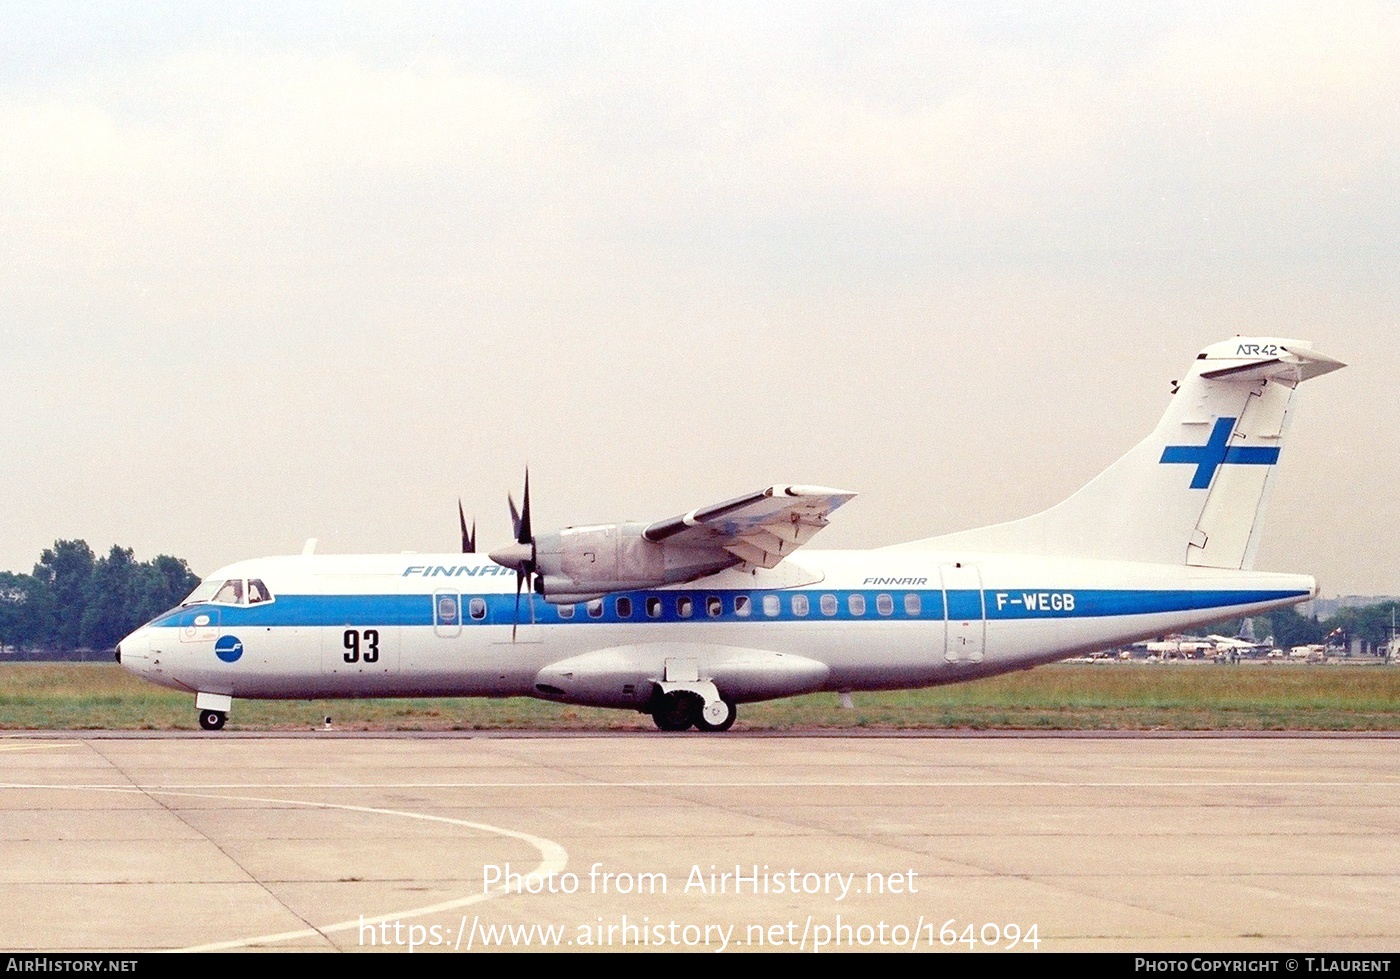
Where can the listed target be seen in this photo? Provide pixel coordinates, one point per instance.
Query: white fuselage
(441, 625)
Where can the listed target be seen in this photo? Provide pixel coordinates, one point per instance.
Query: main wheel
(709, 719)
(676, 711)
(212, 720)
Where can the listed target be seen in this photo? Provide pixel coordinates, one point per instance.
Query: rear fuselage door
(966, 636)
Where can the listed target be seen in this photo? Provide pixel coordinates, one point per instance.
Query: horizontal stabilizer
(1296, 364)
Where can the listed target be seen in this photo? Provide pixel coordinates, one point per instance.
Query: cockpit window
(230, 594)
(203, 591)
(233, 591)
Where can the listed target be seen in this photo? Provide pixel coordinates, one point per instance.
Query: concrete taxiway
(654, 841)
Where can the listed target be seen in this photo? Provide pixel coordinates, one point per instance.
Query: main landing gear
(680, 710)
(212, 720)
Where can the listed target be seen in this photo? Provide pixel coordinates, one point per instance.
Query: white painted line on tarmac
(41, 747)
(553, 858)
(1390, 781)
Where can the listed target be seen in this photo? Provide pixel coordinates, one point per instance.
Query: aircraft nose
(134, 652)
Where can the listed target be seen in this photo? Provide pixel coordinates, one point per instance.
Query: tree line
(76, 600)
(1369, 623)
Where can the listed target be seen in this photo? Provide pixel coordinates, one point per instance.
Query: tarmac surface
(699, 842)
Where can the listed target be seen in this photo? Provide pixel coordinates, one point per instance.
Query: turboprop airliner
(685, 618)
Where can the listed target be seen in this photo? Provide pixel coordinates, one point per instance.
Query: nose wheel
(212, 720)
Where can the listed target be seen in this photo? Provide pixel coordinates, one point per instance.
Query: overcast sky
(279, 273)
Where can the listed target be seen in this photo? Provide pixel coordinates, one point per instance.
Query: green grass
(78, 696)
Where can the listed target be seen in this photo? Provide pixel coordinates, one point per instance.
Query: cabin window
(856, 603)
(713, 606)
(685, 607)
(884, 604)
(565, 611)
(828, 605)
(257, 592)
(771, 605)
(653, 608)
(800, 605)
(476, 608)
(743, 605)
(595, 608)
(624, 608)
(446, 608)
(912, 605)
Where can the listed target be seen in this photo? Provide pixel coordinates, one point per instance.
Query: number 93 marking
(362, 646)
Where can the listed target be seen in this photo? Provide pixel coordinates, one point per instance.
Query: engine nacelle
(580, 563)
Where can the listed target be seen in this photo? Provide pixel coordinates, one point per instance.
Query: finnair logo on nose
(1217, 452)
(228, 649)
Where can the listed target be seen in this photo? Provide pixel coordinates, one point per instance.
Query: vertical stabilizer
(1192, 491)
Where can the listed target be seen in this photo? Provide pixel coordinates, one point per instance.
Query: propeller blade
(515, 619)
(468, 538)
(520, 555)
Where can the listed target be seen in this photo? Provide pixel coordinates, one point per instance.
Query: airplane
(1183, 646)
(1238, 646)
(688, 617)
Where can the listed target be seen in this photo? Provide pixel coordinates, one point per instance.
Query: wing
(759, 529)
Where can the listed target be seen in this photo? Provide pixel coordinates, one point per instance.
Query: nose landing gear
(213, 710)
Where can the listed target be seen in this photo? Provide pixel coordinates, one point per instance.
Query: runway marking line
(553, 859)
(40, 747)
(1388, 782)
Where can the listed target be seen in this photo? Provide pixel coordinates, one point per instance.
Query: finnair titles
(690, 616)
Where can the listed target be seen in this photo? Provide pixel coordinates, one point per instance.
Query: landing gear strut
(212, 720)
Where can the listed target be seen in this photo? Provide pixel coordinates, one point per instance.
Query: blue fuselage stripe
(731, 606)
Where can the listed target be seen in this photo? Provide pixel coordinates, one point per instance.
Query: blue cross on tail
(1217, 452)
